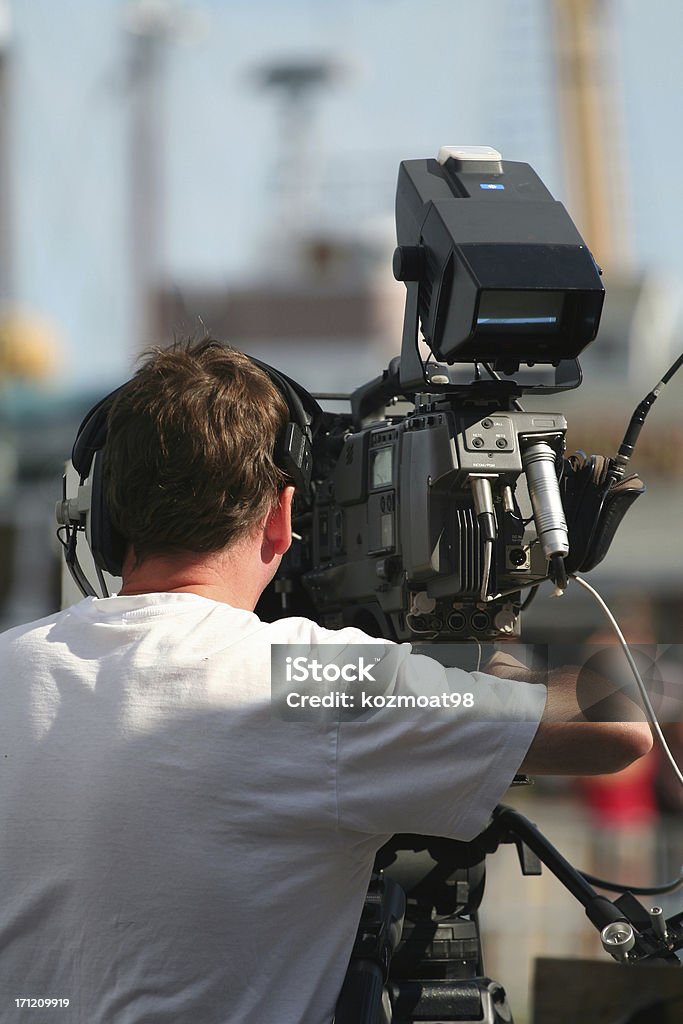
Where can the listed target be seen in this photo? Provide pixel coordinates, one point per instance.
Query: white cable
(649, 710)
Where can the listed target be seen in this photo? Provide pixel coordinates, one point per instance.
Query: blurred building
(330, 317)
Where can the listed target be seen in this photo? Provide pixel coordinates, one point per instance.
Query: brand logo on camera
(303, 669)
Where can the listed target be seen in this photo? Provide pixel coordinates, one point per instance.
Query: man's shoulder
(298, 630)
(27, 631)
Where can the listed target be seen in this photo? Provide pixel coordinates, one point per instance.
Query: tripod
(417, 955)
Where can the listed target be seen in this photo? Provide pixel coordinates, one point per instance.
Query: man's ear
(278, 529)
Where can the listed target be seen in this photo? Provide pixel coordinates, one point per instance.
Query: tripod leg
(363, 998)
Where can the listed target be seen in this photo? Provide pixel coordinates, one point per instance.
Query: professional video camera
(414, 528)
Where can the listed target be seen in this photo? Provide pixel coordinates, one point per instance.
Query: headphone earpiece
(107, 545)
(294, 454)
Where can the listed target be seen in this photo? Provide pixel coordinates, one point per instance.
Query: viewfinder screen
(380, 467)
(518, 312)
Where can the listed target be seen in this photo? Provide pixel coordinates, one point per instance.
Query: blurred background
(169, 168)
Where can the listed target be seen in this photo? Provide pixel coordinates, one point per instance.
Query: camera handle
(378, 990)
(629, 932)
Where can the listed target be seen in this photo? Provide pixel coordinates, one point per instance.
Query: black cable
(102, 581)
(618, 467)
(71, 559)
(559, 571)
(637, 890)
(673, 369)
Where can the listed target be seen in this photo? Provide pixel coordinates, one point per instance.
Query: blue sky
(415, 76)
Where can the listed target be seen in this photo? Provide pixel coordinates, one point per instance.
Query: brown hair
(189, 459)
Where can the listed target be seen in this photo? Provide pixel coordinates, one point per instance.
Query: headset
(87, 512)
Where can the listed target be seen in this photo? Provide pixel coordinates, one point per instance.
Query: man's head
(189, 460)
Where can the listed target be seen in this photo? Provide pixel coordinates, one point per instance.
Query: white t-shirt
(174, 852)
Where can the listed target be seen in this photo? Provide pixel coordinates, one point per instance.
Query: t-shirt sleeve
(431, 750)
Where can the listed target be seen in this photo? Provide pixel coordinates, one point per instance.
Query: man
(171, 850)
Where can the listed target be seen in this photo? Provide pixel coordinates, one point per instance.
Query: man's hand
(505, 666)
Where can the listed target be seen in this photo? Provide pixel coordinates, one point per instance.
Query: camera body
(395, 544)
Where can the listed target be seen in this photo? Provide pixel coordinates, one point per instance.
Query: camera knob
(618, 939)
(408, 262)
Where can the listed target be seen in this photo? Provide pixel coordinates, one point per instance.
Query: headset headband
(293, 455)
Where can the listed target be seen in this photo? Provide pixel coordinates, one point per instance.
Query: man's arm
(591, 729)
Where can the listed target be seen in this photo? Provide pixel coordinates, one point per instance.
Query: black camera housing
(504, 276)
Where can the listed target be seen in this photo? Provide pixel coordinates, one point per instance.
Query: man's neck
(233, 576)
